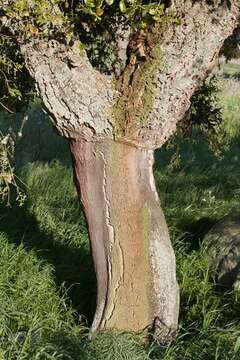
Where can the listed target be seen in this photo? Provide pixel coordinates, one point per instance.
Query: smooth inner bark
(133, 257)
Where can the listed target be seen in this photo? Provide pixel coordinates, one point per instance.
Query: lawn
(47, 284)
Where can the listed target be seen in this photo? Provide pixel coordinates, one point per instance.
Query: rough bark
(77, 97)
(179, 57)
(133, 256)
(144, 105)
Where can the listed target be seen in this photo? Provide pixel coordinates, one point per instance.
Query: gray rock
(222, 244)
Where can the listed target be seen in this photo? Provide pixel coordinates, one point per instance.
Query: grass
(47, 284)
(33, 315)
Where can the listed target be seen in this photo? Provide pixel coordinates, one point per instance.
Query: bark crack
(151, 176)
(113, 284)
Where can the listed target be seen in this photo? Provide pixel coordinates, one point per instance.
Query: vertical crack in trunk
(151, 176)
(113, 284)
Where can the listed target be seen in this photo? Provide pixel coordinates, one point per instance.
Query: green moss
(137, 87)
(147, 82)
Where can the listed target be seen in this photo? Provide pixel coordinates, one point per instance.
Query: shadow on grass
(201, 189)
(194, 231)
(65, 346)
(41, 142)
(235, 76)
(73, 266)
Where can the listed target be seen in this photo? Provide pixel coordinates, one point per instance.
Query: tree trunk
(133, 257)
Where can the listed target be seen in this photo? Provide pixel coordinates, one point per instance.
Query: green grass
(34, 319)
(230, 97)
(47, 284)
(231, 69)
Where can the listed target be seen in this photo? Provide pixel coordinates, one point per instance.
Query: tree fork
(133, 257)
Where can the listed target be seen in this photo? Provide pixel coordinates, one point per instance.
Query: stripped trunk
(133, 256)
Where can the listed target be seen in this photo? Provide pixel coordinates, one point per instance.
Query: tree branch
(77, 96)
(188, 53)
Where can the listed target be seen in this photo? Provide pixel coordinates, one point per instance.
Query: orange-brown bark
(133, 257)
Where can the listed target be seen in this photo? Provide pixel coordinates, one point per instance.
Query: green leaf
(90, 4)
(122, 6)
(109, 2)
(15, 92)
(99, 11)
(152, 11)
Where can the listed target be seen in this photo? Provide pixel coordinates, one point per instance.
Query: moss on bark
(137, 83)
